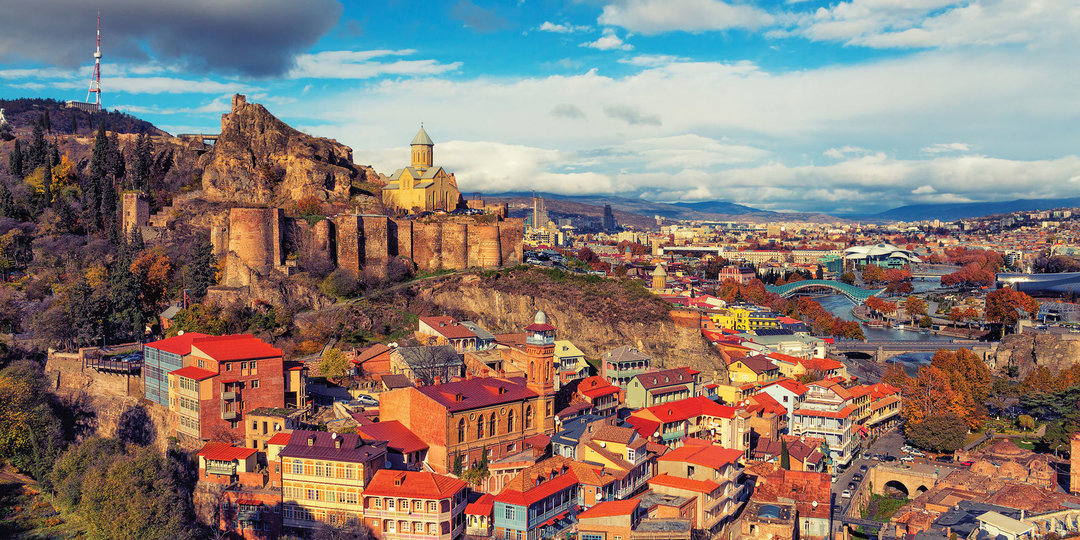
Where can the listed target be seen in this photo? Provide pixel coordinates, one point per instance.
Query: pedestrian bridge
(855, 294)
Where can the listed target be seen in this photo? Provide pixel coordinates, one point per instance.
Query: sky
(790, 105)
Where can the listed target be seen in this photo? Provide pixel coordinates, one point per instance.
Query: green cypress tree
(38, 152)
(202, 270)
(15, 161)
(785, 457)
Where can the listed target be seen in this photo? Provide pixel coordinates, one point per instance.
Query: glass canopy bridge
(853, 293)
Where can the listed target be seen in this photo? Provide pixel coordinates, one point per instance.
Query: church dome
(540, 318)
(659, 271)
(422, 138)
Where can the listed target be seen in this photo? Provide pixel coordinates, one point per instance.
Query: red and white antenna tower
(95, 81)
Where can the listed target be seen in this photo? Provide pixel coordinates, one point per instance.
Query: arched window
(532, 371)
(528, 416)
(480, 427)
(461, 430)
(510, 422)
(492, 424)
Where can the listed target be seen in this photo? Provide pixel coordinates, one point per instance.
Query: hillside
(22, 113)
(954, 211)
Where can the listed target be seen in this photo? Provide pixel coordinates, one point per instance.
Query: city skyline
(856, 106)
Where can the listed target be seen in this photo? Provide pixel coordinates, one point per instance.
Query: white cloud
(845, 151)
(360, 65)
(157, 85)
(924, 190)
(567, 28)
(652, 60)
(945, 148)
(938, 23)
(609, 41)
(652, 17)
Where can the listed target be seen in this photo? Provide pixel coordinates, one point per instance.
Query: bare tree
(431, 362)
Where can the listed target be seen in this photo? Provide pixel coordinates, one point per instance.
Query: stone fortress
(259, 167)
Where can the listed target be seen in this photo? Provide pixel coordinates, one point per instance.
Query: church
(422, 186)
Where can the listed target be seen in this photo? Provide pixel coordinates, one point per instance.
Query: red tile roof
(279, 438)
(611, 508)
(667, 377)
(536, 493)
(220, 451)
(395, 434)
(644, 426)
(842, 413)
(685, 408)
(235, 347)
(481, 392)
(194, 372)
(758, 363)
(791, 385)
(820, 364)
(370, 352)
(699, 486)
(448, 327)
(712, 456)
(482, 506)
(177, 345)
(413, 484)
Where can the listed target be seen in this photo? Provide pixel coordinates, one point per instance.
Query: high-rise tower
(95, 80)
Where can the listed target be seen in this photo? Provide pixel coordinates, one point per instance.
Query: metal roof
(422, 138)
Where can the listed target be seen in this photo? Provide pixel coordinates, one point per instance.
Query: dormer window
(311, 441)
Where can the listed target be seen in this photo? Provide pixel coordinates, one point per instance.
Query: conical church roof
(422, 138)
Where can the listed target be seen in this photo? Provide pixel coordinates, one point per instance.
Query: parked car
(862, 468)
(846, 494)
(853, 486)
(857, 477)
(907, 459)
(917, 453)
(892, 458)
(866, 455)
(967, 463)
(944, 459)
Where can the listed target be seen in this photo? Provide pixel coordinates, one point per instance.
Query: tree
(785, 457)
(969, 379)
(352, 531)
(873, 273)
(202, 271)
(895, 375)
(339, 284)
(1003, 306)
(30, 434)
(848, 277)
(152, 269)
(15, 160)
(928, 394)
(914, 306)
(939, 433)
(199, 318)
(587, 256)
(334, 364)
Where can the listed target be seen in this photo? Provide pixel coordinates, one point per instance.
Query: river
(840, 306)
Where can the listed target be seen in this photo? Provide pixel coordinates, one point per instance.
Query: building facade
(422, 186)
(411, 504)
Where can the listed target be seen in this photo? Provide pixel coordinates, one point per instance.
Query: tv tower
(95, 80)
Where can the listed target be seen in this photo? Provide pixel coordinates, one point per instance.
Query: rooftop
(481, 392)
(323, 445)
(235, 347)
(414, 484)
(395, 434)
(180, 344)
(220, 451)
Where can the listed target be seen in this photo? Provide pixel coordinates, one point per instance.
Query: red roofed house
(478, 517)
(698, 417)
(223, 379)
(828, 412)
(447, 330)
(710, 473)
(372, 362)
(628, 519)
(467, 417)
(884, 408)
(414, 504)
(249, 508)
(656, 387)
(161, 357)
(404, 450)
(810, 493)
(599, 393)
(787, 392)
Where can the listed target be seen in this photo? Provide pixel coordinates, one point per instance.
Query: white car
(907, 459)
(846, 494)
(917, 453)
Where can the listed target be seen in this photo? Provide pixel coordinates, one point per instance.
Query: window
(432, 506)
(297, 467)
(480, 427)
(228, 366)
(510, 421)
(509, 512)
(390, 504)
(418, 505)
(255, 383)
(391, 526)
(492, 424)
(461, 430)
(378, 503)
(528, 416)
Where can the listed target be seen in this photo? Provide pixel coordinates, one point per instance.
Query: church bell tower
(423, 150)
(540, 359)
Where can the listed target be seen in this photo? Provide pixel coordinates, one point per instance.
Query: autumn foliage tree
(152, 269)
(970, 381)
(915, 307)
(1004, 306)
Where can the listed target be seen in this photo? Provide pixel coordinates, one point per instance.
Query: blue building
(161, 357)
(544, 499)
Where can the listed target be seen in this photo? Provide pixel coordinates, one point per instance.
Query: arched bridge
(856, 294)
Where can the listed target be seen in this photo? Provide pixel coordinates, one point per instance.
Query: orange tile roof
(415, 484)
(448, 327)
(395, 434)
(712, 455)
(683, 409)
(820, 364)
(220, 451)
(699, 486)
(611, 508)
(791, 385)
(842, 413)
(178, 344)
(482, 506)
(279, 438)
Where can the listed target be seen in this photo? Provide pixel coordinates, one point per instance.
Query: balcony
(229, 415)
(229, 396)
(247, 513)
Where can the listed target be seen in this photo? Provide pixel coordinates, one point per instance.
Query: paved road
(889, 443)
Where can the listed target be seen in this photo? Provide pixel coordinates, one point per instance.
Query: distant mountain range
(954, 211)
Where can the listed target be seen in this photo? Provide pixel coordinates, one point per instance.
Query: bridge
(853, 293)
(911, 480)
(203, 137)
(884, 349)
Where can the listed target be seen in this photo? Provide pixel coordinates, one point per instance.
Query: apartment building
(664, 386)
(827, 413)
(324, 475)
(710, 473)
(408, 505)
(622, 364)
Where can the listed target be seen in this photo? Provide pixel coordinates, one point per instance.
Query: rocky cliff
(504, 311)
(258, 159)
(1031, 349)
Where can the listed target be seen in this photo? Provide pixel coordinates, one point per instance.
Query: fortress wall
(483, 245)
(349, 243)
(455, 249)
(512, 238)
(427, 246)
(376, 239)
(323, 242)
(401, 238)
(254, 241)
(219, 235)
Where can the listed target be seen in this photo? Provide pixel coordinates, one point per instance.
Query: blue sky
(853, 106)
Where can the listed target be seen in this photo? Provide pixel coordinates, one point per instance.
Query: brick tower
(540, 359)
(1074, 463)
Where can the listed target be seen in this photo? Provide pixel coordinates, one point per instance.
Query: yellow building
(752, 369)
(744, 320)
(323, 476)
(422, 186)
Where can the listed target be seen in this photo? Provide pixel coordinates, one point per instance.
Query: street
(888, 443)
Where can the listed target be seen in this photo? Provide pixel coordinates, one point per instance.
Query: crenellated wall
(257, 241)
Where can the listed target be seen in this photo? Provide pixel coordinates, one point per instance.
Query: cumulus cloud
(845, 151)
(608, 42)
(362, 65)
(567, 28)
(652, 60)
(944, 148)
(652, 17)
(479, 19)
(566, 110)
(250, 37)
(631, 115)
